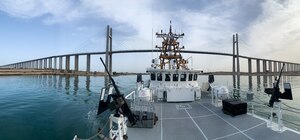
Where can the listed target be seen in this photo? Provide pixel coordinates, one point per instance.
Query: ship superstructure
(170, 78)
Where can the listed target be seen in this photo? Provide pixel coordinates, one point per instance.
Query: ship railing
(258, 103)
(130, 97)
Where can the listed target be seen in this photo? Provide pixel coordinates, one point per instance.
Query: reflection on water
(87, 83)
(258, 83)
(250, 83)
(63, 82)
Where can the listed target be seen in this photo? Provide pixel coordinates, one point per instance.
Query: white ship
(172, 108)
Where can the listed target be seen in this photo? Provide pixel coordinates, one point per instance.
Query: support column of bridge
(76, 63)
(45, 63)
(60, 63)
(275, 66)
(257, 66)
(31, 64)
(287, 67)
(50, 63)
(264, 66)
(233, 61)
(55, 62)
(88, 62)
(237, 59)
(293, 67)
(270, 66)
(68, 62)
(279, 66)
(236, 64)
(108, 54)
(40, 64)
(36, 64)
(250, 73)
(249, 65)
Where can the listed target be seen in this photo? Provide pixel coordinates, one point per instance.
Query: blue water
(48, 107)
(59, 107)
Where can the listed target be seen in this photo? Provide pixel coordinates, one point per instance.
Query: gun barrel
(277, 84)
(111, 79)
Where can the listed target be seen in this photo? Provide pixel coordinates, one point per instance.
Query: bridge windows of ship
(153, 77)
(175, 77)
(159, 77)
(168, 77)
(190, 77)
(195, 77)
(183, 77)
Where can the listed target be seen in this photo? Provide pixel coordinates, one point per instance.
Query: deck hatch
(183, 106)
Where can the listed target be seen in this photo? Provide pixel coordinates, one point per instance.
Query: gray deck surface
(202, 121)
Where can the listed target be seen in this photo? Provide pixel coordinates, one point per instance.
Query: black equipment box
(234, 107)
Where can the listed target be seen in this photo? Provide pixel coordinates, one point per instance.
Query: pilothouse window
(159, 77)
(152, 76)
(175, 77)
(168, 77)
(183, 77)
(195, 77)
(190, 77)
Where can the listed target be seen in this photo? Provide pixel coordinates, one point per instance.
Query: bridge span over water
(56, 62)
(263, 66)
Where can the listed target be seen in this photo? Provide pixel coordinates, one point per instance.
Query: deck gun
(275, 91)
(118, 103)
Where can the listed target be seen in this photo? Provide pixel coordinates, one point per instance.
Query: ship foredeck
(201, 120)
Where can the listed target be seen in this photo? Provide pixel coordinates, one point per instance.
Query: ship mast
(170, 51)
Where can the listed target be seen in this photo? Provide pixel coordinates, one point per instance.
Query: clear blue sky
(32, 29)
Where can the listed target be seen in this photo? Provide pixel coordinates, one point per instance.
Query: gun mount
(275, 91)
(118, 102)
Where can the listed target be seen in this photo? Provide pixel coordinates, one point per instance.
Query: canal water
(59, 107)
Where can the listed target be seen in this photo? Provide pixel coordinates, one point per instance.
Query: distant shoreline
(16, 72)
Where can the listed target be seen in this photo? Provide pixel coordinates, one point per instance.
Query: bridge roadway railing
(56, 62)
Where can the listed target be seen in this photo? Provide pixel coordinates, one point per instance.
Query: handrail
(260, 103)
(131, 94)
